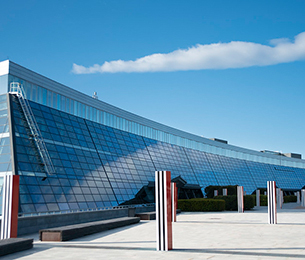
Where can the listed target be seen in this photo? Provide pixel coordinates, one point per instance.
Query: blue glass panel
(41, 207)
(52, 207)
(99, 166)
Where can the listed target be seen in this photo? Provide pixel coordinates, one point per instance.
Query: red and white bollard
(10, 203)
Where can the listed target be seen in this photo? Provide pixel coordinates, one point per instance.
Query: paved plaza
(196, 236)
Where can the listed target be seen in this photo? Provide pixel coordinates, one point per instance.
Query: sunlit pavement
(196, 236)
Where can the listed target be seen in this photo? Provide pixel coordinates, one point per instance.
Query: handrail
(17, 89)
(31, 214)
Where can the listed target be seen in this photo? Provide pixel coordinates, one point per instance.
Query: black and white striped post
(163, 210)
(10, 201)
(303, 198)
(258, 198)
(240, 199)
(271, 191)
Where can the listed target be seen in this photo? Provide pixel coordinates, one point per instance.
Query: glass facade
(97, 166)
(1, 194)
(5, 145)
(103, 160)
(48, 97)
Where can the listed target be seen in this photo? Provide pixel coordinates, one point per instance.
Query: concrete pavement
(196, 236)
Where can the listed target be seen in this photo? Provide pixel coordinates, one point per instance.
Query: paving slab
(203, 235)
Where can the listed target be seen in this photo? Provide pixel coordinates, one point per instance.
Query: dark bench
(13, 245)
(147, 215)
(66, 233)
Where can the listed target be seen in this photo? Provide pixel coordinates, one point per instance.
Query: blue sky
(219, 74)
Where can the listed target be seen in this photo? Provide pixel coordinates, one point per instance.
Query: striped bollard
(303, 198)
(240, 199)
(258, 198)
(174, 192)
(163, 210)
(271, 191)
(10, 201)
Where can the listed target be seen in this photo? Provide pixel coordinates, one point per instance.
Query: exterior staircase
(17, 89)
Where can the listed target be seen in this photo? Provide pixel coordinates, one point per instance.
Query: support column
(258, 198)
(163, 210)
(272, 214)
(225, 192)
(279, 199)
(10, 203)
(10, 188)
(240, 199)
(298, 197)
(174, 191)
(303, 198)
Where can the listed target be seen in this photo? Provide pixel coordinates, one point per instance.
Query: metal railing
(17, 89)
(31, 214)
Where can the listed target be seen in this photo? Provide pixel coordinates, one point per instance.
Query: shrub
(201, 205)
(254, 197)
(209, 191)
(263, 200)
(249, 202)
(290, 198)
(231, 201)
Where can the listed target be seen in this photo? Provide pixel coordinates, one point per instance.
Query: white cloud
(235, 54)
(279, 40)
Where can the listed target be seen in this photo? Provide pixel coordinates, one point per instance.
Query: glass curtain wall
(55, 100)
(97, 166)
(5, 147)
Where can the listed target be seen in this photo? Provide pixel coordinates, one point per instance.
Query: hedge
(263, 200)
(209, 191)
(201, 205)
(231, 201)
(287, 199)
(290, 198)
(249, 202)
